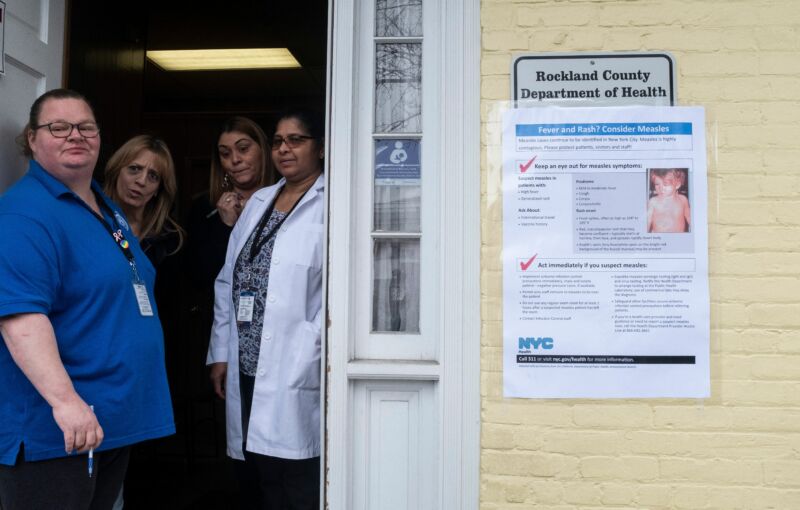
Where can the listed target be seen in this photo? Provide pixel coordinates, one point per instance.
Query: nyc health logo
(528, 344)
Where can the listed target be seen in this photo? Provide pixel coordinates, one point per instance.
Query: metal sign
(397, 162)
(596, 79)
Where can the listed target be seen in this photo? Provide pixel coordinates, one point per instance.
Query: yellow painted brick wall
(741, 447)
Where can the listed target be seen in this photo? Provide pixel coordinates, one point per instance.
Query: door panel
(394, 452)
(34, 51)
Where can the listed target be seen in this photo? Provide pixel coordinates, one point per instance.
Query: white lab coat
(284, 420)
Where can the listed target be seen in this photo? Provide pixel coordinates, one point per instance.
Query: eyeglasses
(64, 129)
(292, 141)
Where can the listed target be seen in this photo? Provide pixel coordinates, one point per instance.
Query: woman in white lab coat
(265, 343)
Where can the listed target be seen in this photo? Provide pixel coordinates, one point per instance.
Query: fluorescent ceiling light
(206, 60)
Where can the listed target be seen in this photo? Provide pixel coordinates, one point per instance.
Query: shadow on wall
(14, 164)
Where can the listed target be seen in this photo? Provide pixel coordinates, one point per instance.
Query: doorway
(106, 61)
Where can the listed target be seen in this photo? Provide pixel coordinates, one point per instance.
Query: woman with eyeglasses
(82, 374)
(265, 343)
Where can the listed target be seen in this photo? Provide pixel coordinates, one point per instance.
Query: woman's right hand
(79, 424)
(218, 373)
(230, 206)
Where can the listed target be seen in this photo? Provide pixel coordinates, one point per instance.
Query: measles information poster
(605, 253)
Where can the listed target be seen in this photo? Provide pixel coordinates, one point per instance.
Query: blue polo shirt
(57, 259)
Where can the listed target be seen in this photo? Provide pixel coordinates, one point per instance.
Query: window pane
(398, 88)
(395, 291)
(397, 186)
(398, 18)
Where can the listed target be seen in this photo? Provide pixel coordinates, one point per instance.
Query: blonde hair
(155, 219)
(217, 182)
(679, 174)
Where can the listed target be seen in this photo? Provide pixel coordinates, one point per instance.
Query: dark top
(169, 297)
(206, 246)
(158, 248)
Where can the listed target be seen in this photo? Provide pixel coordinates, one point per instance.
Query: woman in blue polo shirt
(82, 363)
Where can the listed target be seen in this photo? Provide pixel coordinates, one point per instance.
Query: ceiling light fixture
(214, 60)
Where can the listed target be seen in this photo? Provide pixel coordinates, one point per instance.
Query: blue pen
(91, 453)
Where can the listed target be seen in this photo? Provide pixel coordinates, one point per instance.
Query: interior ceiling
(300, 26)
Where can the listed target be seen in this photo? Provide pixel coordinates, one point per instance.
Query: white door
(34, 56)
(402, 407)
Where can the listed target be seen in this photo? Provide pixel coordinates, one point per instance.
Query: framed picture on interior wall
(2, 37)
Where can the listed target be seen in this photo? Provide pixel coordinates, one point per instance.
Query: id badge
(247, 301)
(143, 300)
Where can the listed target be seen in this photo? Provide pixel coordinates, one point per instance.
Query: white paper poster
(605, 253)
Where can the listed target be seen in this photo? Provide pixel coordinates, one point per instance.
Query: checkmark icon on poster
(525, 166)
(525, 265)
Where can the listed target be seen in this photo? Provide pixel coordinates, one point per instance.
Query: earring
(226, 181)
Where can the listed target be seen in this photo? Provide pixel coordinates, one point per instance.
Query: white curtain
(397, 208)
(395, 297)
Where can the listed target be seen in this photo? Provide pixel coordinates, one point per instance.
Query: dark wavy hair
(249, 127)
(311, 120)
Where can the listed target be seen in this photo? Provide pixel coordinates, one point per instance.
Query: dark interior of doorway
(106, 61)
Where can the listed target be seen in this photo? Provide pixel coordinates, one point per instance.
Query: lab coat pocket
(305, 373)
(306, 242)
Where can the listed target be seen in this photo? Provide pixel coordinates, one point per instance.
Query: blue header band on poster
(623, 129)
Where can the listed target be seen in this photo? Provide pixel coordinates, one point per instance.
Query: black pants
(64, 483)
(272, 483)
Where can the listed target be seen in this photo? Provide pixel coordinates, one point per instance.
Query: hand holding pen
(79, 424)
(229, 206)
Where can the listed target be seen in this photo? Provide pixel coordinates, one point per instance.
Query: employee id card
(247, 301)
(142, 299)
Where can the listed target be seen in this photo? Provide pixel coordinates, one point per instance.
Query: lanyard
(115, 231)
(259, 242)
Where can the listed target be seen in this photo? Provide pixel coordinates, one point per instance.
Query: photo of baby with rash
(668, 203)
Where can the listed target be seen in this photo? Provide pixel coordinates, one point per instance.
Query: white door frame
(456, 370)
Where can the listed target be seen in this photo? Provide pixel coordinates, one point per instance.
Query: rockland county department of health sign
(593, 79)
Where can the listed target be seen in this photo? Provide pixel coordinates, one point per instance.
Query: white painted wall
(34, 55)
